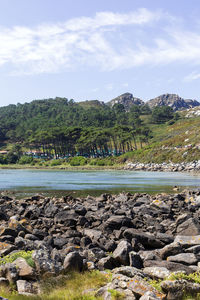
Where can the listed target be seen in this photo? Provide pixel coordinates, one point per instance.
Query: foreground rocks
(138, 237)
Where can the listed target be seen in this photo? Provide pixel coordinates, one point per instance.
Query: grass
(70, 287)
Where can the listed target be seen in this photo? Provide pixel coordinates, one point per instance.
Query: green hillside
(61, 128)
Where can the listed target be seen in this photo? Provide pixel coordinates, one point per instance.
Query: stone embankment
(138, 237)
(165, 167)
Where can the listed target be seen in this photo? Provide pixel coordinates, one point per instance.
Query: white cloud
(192, 76)
(98, 42)
(62, 46)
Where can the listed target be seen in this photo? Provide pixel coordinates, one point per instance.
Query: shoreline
(183, 167)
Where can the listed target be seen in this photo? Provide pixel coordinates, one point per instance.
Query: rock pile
(165, 167)
(137, 237)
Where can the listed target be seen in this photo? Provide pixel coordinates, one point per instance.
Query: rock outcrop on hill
(174, 101)
(136, 236)
(127, 100)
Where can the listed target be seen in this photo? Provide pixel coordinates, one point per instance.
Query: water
(93, 182)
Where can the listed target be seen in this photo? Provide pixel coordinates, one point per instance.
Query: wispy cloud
(191, 77)
(95, 42)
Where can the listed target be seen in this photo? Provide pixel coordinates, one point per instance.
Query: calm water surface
(32, 181)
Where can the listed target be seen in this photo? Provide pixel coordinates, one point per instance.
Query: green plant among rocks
(27, 255)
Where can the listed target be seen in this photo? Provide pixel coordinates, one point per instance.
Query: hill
(174, 101)
(62, 128)
(127, 100)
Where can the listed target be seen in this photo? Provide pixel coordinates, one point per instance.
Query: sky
(98, 49)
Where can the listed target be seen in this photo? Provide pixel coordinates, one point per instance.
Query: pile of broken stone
(137, 237)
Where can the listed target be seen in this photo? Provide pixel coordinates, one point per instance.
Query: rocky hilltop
(138, 237)
(127, 100)
(174, 101)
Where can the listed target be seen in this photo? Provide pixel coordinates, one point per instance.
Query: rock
(1, 298)
(184, 258)
(171, 266)
(116, 222)
(51, 210)
(139, 287)
(44, 263)
(128, 271)
(121, 253)
(11, 272)
(6, 248)
(157, 272)
(3, 282)
(73, 261)
(146, 239)
(149, 296)
(171, 249)
(66, 217)
(60, 242)
(187, 241)
(189, 227)
(93, 234)
(161, 205)
(107, 263)
(135, 260)
(27, 288)
(24, 269)
(175, 289)
(8, 231)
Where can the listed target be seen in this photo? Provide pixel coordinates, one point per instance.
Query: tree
(162, 114)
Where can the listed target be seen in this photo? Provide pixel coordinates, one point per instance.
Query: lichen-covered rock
(27, 287)
(139, 287)
(175, 289)
(157, 272)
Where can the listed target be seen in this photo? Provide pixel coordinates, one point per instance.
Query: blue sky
(92, 49)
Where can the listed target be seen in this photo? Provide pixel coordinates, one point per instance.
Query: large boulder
(73, 262)
(24, 269)
(189, 227)
(139, 287)
(175, 289)
(169, 265)
(157, 272)
(116, 222)
(44, 263)
(146, 239)
(171, 249)
(184, 258)
(27, 288)
(121, 253)
(187, 241)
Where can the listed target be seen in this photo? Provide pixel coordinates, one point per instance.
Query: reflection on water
(93, 182)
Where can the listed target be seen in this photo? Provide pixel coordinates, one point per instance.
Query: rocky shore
(138, 237)
(165, 167)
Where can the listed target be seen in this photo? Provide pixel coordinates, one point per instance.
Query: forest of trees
(60, 127)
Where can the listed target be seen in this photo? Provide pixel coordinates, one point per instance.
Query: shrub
(56, 162)
(78, 161)
(25, 160)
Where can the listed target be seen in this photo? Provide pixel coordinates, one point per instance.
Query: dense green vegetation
(93, 133)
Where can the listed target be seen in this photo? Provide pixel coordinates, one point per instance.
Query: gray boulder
(73, 262)
(121, 253)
